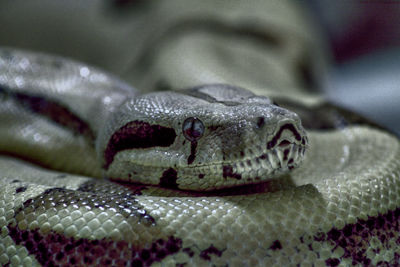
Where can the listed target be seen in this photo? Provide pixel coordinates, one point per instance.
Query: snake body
(210, 176)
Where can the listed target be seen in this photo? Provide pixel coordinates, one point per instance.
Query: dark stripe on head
(275, 139)
(51, 110)
(195, 92)
(137, 135)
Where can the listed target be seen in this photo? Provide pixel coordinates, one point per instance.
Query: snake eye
(193, 129)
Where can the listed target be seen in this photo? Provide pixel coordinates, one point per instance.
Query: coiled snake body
(201, 177)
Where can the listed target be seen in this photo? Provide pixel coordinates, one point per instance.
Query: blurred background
(363, 37)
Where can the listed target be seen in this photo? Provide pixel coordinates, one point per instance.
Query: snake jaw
(283, 150)
(287, 146)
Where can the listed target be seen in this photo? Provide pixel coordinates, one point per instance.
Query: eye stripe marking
(192, 156)
(137, 135)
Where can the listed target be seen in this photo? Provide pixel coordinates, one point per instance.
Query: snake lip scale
(281, 154)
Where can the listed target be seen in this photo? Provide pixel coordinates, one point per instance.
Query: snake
(96, 173)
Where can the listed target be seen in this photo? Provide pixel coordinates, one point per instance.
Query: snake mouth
(283, 152)
(288, 144)
(275, 161)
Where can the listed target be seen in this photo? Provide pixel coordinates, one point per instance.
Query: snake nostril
(260, 122)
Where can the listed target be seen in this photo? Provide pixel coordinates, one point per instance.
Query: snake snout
(288, 144)
(286, 134)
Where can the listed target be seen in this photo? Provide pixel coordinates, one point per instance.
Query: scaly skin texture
(148, 138)
(146, 135)
(340, 206)
(350, 215)
(202, 139)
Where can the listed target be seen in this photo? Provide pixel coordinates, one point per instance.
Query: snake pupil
(193, 129)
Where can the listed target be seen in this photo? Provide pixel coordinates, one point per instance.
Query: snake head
(204, 138)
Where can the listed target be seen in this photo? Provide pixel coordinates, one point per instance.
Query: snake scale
(209, 176)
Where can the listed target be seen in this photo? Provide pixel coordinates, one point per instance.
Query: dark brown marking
(205, 254)
(276, 245)
(332, 262)
(201, 175)
(168, 179)
(21, 189)
(188, 251)
(284, 143)
(53, 111)
(137, 135)
(263, 156)
(66, 249)
(285, 154)
(192, 157)
(275, 139)
(123, 202)
(227, 171)
(355, 238)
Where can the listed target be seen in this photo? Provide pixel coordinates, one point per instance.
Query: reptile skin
(209, 176)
